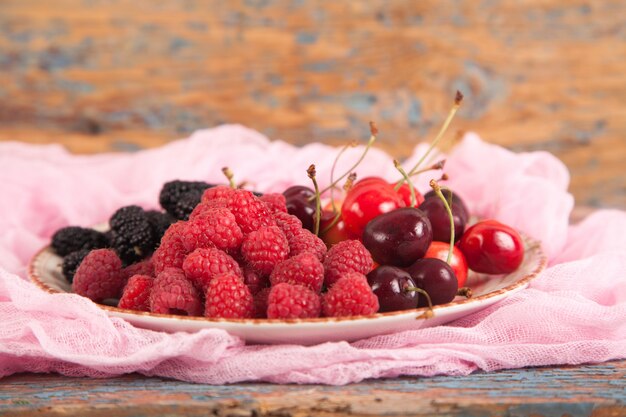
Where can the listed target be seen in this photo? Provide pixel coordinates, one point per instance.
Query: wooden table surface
(588, 390)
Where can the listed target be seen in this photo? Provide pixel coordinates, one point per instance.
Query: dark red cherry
(458, 262)
(461, 207)
(436, 278)
(399, 237)
(366, 201)
(300, 201)
(436, 212)
(391, 286)
(492, 247)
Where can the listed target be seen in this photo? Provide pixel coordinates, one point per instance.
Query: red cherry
(336, 233)
(439, 250)
(366, 201)
(405, 193)
(369, 181)
(492, 247)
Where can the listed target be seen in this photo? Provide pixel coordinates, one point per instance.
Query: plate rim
(530, 243)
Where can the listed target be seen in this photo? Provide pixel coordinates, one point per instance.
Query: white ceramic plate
(45, 271)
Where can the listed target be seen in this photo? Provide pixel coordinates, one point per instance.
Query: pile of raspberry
(235, 255)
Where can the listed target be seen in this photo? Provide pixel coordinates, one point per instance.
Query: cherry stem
(318, 203)
(437, 189)
(332, 172)
(332, 224)
(465, 292)
(408, 180)
(457, 103)
(229, 176)
(374, 132)
(437, 165)
(429, 313)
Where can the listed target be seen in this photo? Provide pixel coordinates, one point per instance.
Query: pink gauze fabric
(573, 312)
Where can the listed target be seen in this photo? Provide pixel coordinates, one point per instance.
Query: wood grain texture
(119, 75)
(589, 390)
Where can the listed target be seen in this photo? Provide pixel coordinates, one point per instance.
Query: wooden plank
(537, 74)
(589, 390)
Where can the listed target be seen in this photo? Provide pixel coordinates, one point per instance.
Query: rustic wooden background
(101, 75)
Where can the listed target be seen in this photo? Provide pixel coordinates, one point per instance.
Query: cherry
(301, 203)
(366, 201)
(405, 193)
(332, 232)
(456, 200)
(458, 263)
(492, 247)
(436, 278)
(393, 286)
(398, 237)
(435, 209)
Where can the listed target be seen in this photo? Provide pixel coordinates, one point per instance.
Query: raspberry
(132, 234)
(286, 301)
(350, 296)
(275, 202)
(228, 297)
(136, 294)
(73, 238)
(145, 267)
(203, 208)
(250, 212)
(306, 241)
(264, 249)
(172, 293)
(289, 224)
(216, 228)
(179, 198)
(71, 263)
(204, 264)
(220, 192)
(260, 303)
(99, 275)
(159, 222)
(346, 256)
(303, 269)
(254, 281)
(171, 252)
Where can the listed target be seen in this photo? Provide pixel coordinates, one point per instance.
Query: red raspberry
(306, 241)
(204, 264)
(275, 202)
(172, 293)
(260, 303)
(220, 192)
(145, 267)
(203, 208)
(289, 224)
(254, 281)
(346, 256)
(136, 294)
(288, 301)
(303, 269)
(250, 212)
(228, 297)
(99, 275)
(171, 252)
(216, 228)
(350, 296)
(264, 249)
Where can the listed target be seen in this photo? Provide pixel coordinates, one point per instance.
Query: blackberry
(133, 238)
(72, 238)
(71, 263)
(179, 198)
(159, 222)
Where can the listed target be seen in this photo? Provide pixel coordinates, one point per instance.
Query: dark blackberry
(72, 238)
(133, 238)
(179, 198)
(159, 222)
(71, 263)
